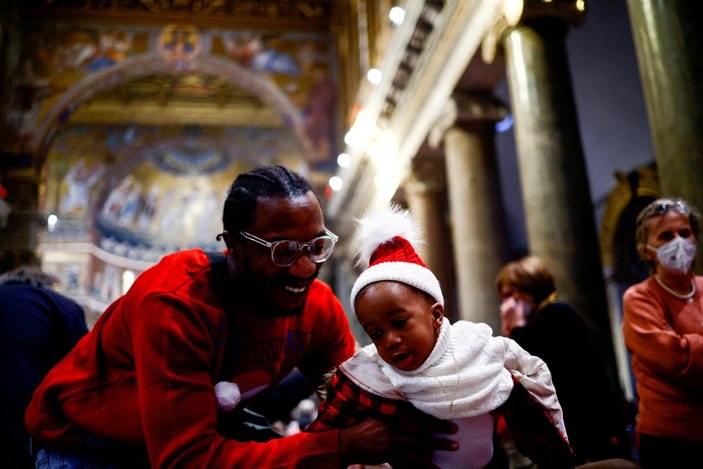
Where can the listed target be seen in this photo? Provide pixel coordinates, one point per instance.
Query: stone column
(426, 195)
(24, 223)
(476, 205)
(19, 173)
(669, 41)
(555, 187)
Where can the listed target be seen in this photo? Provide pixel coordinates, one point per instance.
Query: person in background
(418, 361)
(164, 378)
(554, 331)
(663, 329)
(38, 327)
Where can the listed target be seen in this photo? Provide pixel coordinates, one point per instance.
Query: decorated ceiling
(139, 114)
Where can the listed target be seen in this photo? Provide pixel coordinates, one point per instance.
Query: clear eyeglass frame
(285, 252)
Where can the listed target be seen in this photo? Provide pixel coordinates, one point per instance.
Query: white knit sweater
(466, 375)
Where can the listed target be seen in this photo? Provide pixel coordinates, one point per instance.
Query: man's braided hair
(261, 182)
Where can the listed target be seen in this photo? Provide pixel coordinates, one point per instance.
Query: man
(38, 327)
(141, 389)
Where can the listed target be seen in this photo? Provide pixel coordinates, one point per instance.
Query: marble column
(426, 196)
(476, 205)
(556, 193)
(669, 41)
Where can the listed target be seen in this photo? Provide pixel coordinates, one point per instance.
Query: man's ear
(229, 240)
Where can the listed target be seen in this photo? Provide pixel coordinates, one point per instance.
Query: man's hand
(408, 442)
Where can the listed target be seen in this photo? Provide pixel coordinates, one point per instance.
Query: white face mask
(676, 255)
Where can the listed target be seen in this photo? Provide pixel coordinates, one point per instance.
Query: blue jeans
(97, 454)
(51, 459)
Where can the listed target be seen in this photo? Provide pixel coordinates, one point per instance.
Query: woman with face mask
(663, 330)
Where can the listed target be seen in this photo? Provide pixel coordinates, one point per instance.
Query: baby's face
(402, 322)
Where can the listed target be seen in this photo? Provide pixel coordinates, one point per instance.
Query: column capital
(511, 13)
(447, 120)
(427, 175)
(518, 11)
(466, 108)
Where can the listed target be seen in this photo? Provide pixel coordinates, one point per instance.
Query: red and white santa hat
(386, 249)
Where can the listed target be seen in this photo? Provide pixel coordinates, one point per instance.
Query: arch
(259, 85)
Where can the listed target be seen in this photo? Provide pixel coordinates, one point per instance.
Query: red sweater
(663, 335)
(144, 376)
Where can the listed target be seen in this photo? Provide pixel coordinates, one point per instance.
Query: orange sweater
(664, 336)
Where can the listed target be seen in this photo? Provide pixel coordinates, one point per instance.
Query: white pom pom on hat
(228, 395)
(387, 241)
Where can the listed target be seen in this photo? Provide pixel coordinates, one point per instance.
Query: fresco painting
(55, 59)
(131, 183)
(179, 44)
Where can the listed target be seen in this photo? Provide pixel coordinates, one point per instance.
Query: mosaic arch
(127, 205)
(149, 215)
(61, 65)
(147, 64)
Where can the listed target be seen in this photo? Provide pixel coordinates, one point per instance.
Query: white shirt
(466, 376)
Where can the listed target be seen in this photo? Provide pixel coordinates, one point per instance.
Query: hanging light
(374, 76)
(396, 15)
(344, 160)
(336, 183)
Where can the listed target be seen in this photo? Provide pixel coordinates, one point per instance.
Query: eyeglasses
(662, 206)
(284, 253)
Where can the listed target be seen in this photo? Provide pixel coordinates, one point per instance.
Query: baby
(457, 372)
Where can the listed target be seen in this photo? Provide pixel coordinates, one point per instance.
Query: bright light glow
(128, 278)
(512, 9)
(580, 5)
(51, 222)
(384, 153)
(363, 129)
(396, 15)
(344, 160)
(383, 148)
(336, 183)
(374, 76)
